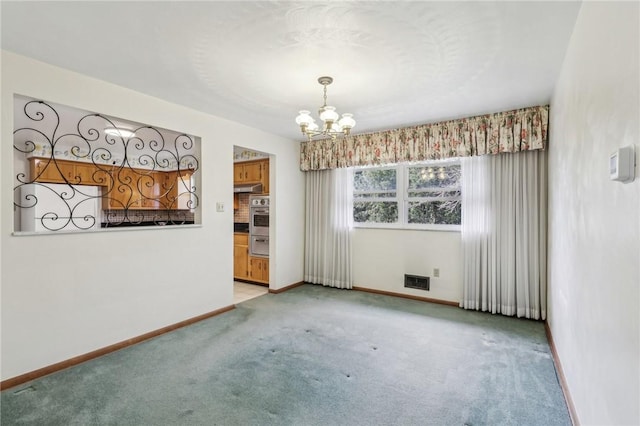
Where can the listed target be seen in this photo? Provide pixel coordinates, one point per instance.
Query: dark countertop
(241, 227)
(131, 224)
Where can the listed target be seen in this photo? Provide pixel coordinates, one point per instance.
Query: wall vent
(416, 281)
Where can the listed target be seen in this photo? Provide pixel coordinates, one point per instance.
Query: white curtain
(329, 218)
(504, 233)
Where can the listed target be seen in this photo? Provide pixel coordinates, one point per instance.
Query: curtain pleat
(327, 259)
(504, 224)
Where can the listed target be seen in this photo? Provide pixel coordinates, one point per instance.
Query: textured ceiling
(394, 63)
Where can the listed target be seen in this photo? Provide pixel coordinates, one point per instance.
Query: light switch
(219, 207)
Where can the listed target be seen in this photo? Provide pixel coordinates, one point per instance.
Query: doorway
(251, 241)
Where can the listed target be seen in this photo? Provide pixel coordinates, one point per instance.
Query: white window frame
(402, 198)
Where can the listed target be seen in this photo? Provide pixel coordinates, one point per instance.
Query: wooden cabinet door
(265, 270)
(265, 176)
(120, 193)
(241, 256)
(240, 262)
(253, 172)
(238, 173)
(84, 174)
(47, 170)
(168, 190)
(149, 187)
(259, 269)
(248, 172)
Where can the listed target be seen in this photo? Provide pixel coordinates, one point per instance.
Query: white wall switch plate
(219, 207)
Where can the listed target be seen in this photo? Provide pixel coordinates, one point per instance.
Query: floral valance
(511, 131)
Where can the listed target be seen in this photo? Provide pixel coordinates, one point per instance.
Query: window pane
(447, 212)
(434, 177)
(374, 179)
(375, 211)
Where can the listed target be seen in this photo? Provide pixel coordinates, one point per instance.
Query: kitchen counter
(145, 223)
(241, 227)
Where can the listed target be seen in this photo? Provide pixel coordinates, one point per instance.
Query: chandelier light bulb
(329, 114)
(347, 121)
(304, 118)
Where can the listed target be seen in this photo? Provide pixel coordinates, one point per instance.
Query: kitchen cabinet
(63, 171)
(119, 194)
(252, 172)
(265, 176)
(147, 188)
(247, 172)
(47, 170)
(135, 189)
(247, 267)
(241, 256)
(259, 269)
(122, 187)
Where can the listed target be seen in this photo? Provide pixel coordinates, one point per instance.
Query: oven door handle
(261, 240)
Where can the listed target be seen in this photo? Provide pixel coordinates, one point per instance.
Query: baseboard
(561, 378)
(41, 372)
(406, 296)
(283, 289)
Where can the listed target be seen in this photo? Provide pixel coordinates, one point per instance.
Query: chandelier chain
(325, 96)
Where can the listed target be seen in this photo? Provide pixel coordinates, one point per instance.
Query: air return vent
(416, 281)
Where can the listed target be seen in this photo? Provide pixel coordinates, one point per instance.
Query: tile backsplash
(241, 214)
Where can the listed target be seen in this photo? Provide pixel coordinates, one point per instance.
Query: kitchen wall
(381, 257)
(66, 295)
(594, 223)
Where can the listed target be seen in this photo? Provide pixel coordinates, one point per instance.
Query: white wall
(66, 295)
(594, 223)
(381, 257)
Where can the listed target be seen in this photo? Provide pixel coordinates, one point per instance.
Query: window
(421, 196)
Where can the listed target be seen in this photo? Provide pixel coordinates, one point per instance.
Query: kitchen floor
(244, 291)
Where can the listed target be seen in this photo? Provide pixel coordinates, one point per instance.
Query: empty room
(320, 213)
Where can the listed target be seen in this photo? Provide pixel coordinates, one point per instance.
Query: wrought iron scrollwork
(66, 168)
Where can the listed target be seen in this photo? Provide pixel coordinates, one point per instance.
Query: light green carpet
(313, 356)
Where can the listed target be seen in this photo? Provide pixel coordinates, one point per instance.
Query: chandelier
(331, 126)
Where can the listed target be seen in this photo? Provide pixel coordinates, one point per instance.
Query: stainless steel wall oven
(259, 225)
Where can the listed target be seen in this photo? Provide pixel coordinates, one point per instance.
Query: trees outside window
(426, 195)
